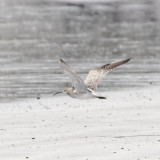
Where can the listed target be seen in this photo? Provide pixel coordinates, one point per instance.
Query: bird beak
(57, 93)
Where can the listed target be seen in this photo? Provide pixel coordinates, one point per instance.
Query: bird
(87, 89)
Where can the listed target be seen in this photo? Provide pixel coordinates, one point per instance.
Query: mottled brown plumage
(95, 75)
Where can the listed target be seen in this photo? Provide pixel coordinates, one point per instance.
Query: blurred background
(35, 34)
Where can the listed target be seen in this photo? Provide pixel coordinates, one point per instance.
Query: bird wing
(77, 82)
(95, 75)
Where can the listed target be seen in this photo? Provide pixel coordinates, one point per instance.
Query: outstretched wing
(77, 82)
(95, 75)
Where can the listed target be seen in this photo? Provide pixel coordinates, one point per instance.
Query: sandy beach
(86, 34)
(125, 126)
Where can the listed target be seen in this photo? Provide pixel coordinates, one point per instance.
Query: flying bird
(87, 89)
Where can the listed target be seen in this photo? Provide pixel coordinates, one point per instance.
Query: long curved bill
(57, 93)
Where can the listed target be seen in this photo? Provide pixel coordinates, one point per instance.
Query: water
(35, 34)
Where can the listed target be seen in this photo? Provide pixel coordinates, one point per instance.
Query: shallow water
(34, 35)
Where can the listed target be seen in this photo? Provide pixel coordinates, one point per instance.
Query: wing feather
(77, 82)
(95, 75)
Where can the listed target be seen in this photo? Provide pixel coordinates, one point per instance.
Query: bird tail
(99, 96)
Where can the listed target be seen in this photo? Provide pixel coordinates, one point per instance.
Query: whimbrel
(86, 89)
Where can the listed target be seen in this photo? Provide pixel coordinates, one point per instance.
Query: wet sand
(125, 126)
(34, 35)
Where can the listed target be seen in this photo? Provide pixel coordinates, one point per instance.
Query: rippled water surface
(34, 35)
